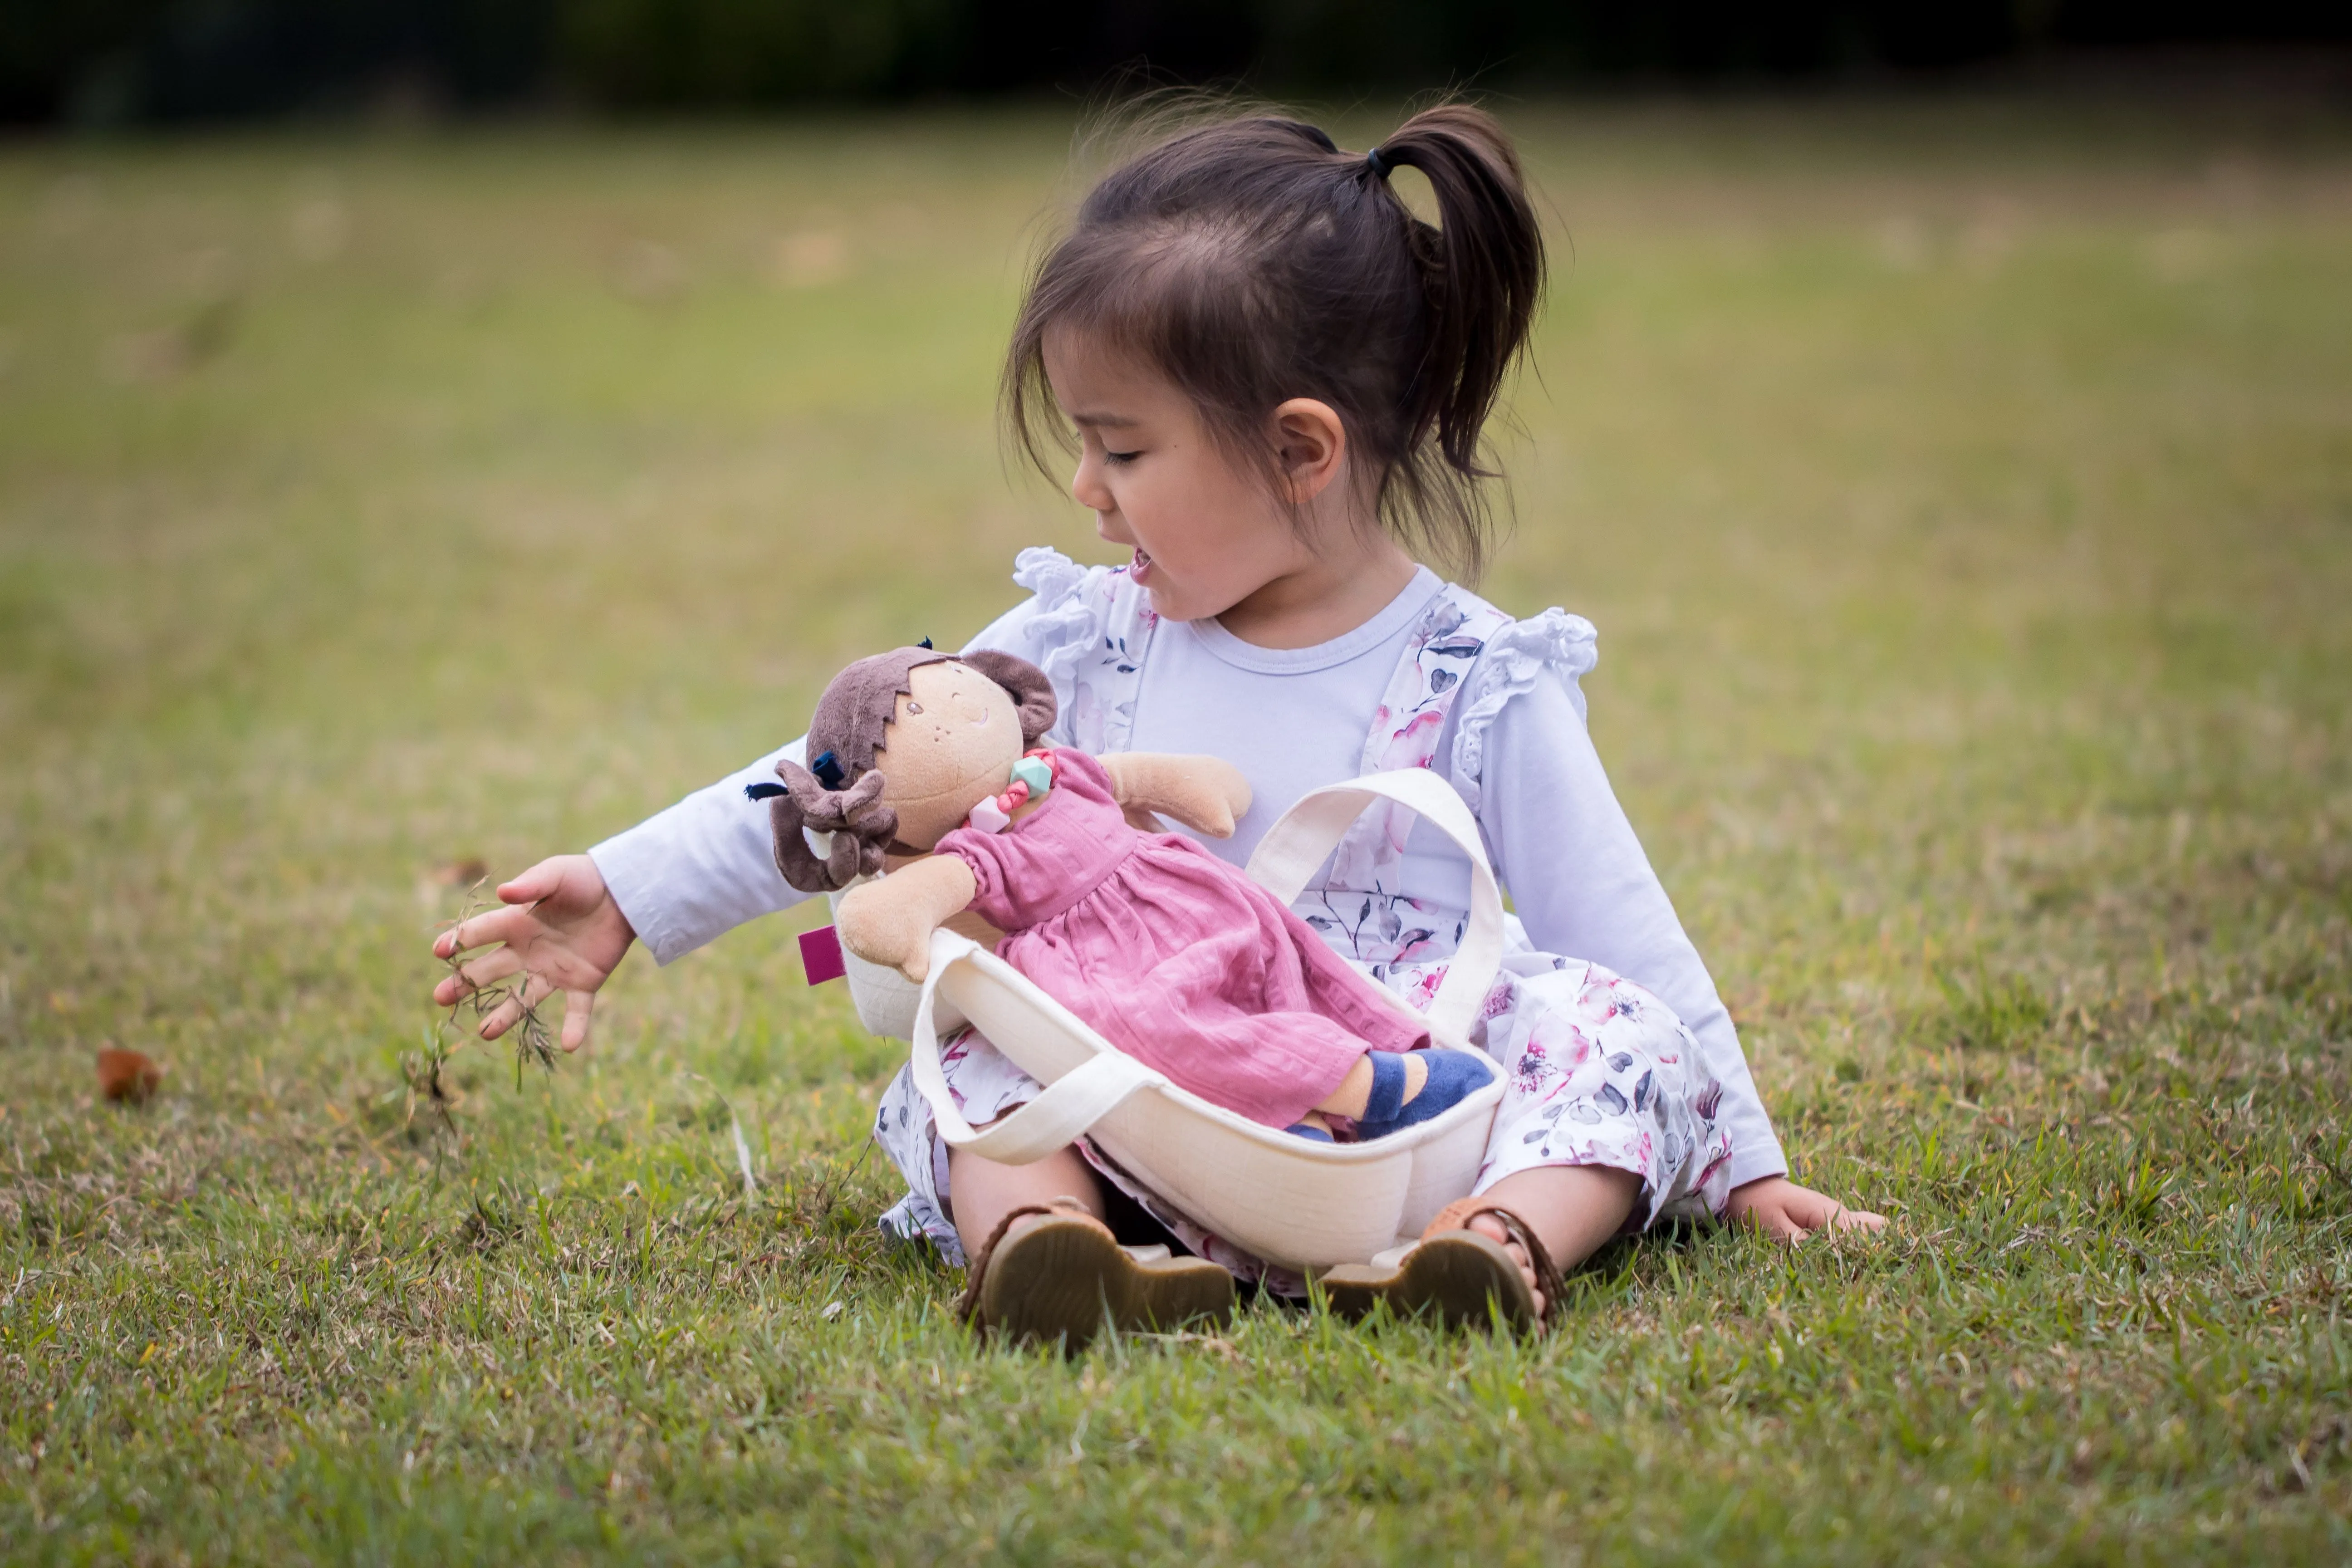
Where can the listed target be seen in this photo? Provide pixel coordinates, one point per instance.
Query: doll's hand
(1207, 794)
(562, 929)
(890, 921)
(878, 929)
(1787, 1212)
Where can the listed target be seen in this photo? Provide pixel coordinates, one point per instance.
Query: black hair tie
(1379, 165)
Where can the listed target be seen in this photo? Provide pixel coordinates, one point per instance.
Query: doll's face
(954, 742)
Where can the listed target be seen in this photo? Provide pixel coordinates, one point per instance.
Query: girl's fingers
(508, 1013)
(533, 885)
(452, 989)
(487, 970)
(577, 1005)
(501, 1019)
(499, 925)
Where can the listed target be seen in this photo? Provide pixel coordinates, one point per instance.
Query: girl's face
(1206, 535)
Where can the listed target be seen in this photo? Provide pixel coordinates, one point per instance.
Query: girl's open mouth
(1140, 571)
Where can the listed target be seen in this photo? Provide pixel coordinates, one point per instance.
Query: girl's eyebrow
(1109, 421)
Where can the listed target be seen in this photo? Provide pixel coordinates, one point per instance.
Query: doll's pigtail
(855, 818)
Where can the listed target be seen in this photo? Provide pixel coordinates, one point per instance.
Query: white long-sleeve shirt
(1294, 719)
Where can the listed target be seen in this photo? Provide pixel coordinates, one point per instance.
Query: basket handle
(1059, 1115)
(1295, 847)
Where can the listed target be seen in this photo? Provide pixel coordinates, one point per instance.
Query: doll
(926, 764)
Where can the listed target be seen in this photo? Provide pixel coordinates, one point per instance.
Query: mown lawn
(1964, 493)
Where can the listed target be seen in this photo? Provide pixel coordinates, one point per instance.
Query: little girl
(1278, 377)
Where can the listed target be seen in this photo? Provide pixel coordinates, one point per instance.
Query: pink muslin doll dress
(1173, 955)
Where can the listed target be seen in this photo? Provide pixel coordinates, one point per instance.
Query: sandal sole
(1063, 1279)
(1452, 1275)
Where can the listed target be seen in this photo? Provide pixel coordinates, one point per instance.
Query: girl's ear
(1033, 694)
(1310, 445)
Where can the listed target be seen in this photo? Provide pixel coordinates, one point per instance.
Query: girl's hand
(1787, 1212)
(562, 930)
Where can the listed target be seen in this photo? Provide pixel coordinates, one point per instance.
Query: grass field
(1964, 494)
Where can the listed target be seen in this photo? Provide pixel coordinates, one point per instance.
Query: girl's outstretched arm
(676, 880)
(688, 875)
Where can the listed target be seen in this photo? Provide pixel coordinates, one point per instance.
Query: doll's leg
(980, 1192)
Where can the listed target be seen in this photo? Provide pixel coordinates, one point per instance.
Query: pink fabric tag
(821, 955)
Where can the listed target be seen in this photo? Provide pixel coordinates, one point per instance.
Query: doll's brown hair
(1249, 260)
(846, 729)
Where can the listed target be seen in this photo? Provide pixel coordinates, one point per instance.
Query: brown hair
(851, 718)
(1250, 261)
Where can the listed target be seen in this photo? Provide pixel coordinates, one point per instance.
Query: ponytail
(1483, 279)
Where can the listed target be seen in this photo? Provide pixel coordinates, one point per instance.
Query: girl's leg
(980, 1192)
(1608, 1116)
(1571, 1208)
(1058, 1279)
(1055, 1278)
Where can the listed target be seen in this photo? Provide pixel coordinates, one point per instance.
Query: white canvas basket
(1292, 1201)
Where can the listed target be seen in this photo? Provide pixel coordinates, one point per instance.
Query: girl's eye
(1110, 457)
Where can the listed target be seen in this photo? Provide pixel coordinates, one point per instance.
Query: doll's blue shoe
(1454, 1076)
(1308, 1130)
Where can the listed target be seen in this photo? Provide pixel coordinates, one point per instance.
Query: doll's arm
(890, 921)
(1207, 794)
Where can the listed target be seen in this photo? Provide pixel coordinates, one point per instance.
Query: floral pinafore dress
(1599, 1071)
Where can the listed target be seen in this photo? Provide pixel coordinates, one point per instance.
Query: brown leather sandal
(1064, 1278)
(1454, 1273)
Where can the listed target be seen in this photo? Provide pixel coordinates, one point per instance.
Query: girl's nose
(1087, 487)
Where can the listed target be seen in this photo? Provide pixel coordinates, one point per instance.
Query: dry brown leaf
(127, 1075)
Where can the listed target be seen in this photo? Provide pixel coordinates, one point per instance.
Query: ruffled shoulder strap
(1092, 627)
(1513, 659)
(1441, 649)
